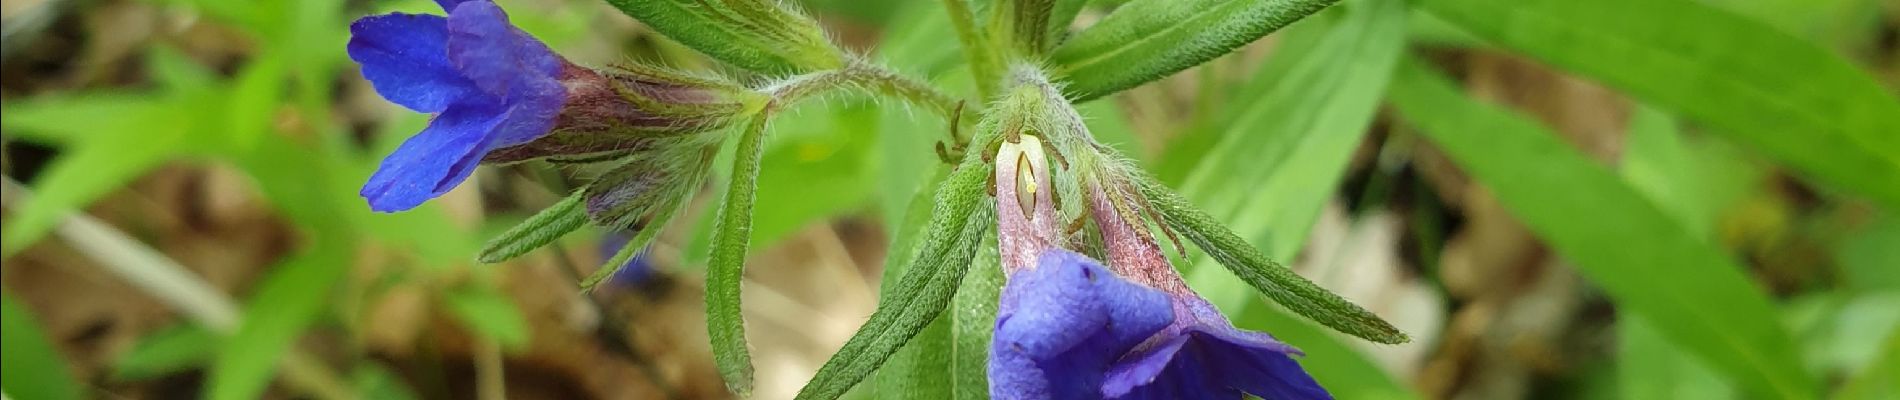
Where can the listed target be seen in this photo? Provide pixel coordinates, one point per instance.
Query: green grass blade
(289, 300)
(87, 171)
(1652, 266)
(1752, 83)
(169, 350)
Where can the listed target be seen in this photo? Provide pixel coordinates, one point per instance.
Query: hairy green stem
(868, 77)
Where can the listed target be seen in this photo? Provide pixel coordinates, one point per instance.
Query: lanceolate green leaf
(543, 228)
(948, 360)
(758, 35)
(948, 243)
(1269, 277)
(1760, 87)
(1146, 40)
(1654, 268)
(169, 350)
(904, 371)
(725, 323)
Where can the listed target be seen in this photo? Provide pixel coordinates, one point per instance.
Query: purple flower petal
(1203, 356)
(1060, 325)
(435, 160)
(507, 63)
(405, 57)
(495, 55)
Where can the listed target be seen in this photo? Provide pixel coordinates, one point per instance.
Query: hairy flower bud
(649, 183)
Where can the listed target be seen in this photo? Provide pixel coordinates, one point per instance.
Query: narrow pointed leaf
(949, 359)
(1651, 265)
(725, 323)
(947, 245)
(1753, 83)
(544, 227)
(88, 170)
(1268, 276)
(1146, 40)
(758, 35)
(166, 351)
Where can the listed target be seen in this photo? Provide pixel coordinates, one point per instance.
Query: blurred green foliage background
(1618, 199)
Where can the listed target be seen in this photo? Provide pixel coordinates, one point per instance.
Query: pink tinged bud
(1132, 250)
(1026, 222)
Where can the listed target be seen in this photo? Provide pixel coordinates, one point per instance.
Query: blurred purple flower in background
(637, 271)
(489, 85)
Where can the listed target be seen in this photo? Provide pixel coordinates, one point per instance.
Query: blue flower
(1071, 329)
(1060, 325)
(1202, 356)
(489, 85)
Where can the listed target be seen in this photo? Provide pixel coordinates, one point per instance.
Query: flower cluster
(1069, 327)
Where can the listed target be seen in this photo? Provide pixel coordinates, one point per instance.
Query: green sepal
(544, 227)
(630, 195)
(1275, 281)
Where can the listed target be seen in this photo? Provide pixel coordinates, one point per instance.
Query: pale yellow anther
(1027, 167)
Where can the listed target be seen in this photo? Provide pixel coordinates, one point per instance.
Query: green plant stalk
(984, 66)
